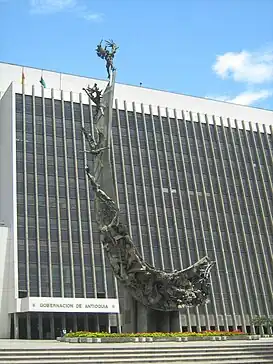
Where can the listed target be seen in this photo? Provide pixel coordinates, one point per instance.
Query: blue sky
(211, 48)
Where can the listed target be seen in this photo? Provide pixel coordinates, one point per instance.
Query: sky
(220, 49)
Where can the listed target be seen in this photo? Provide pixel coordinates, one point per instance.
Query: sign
(61, 304)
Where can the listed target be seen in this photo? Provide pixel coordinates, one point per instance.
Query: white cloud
(51, 6)
(92, 16)
(56, 6)
(245, 66)
(245, 98)
(83, 12)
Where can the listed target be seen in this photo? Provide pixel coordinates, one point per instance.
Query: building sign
(59, 304)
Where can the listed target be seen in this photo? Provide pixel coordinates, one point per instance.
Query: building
(194, 177)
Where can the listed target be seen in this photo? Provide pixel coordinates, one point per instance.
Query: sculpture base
(139, 318)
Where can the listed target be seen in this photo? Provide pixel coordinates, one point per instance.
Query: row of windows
(193, 129)
(200, 241)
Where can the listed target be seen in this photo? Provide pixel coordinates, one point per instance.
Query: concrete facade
(134, 95)
(8, 218)
(189, 184)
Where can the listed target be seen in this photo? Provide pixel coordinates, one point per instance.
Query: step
(134, 351)
(132, 354)
(126, 359)
(134, 347)
(155, 361)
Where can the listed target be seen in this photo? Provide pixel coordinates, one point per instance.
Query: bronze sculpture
(108, 55)
(152, 287)
(95, 98)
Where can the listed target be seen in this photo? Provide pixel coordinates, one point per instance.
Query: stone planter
(149, 339)
(180, 339)
(218, 338)
(199, 338)
(110, 339)
(163, 339)
(186, 338)
(118, 339)
(73, 339)
(154, 339)
(83, 339)
(142, 339)
(239, 337)
(96, 340)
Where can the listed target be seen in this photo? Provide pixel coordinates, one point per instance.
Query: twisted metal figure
(96, 147)
(108, 53)
(95, 94)
(154, 288)
(159, 290)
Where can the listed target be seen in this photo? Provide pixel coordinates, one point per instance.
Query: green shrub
(152, 334)
(262, 321)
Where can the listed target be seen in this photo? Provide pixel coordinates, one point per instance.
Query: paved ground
(52, 344)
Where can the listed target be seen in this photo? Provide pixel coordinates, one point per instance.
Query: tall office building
(194, 177)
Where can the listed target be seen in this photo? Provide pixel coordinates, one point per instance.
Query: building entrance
(45, 325)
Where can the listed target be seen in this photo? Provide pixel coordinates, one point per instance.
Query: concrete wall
(4, 279)
(134, 94)
(8, 240)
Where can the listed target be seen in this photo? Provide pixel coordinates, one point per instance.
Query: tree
(262, 321)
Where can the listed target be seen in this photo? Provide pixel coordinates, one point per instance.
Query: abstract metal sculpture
(152, 287)
(95, 98)
(108, 55)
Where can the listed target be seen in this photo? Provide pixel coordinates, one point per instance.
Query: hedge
(153, 334)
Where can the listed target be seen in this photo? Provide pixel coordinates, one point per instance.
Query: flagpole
(60, 81)
(23, 80)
